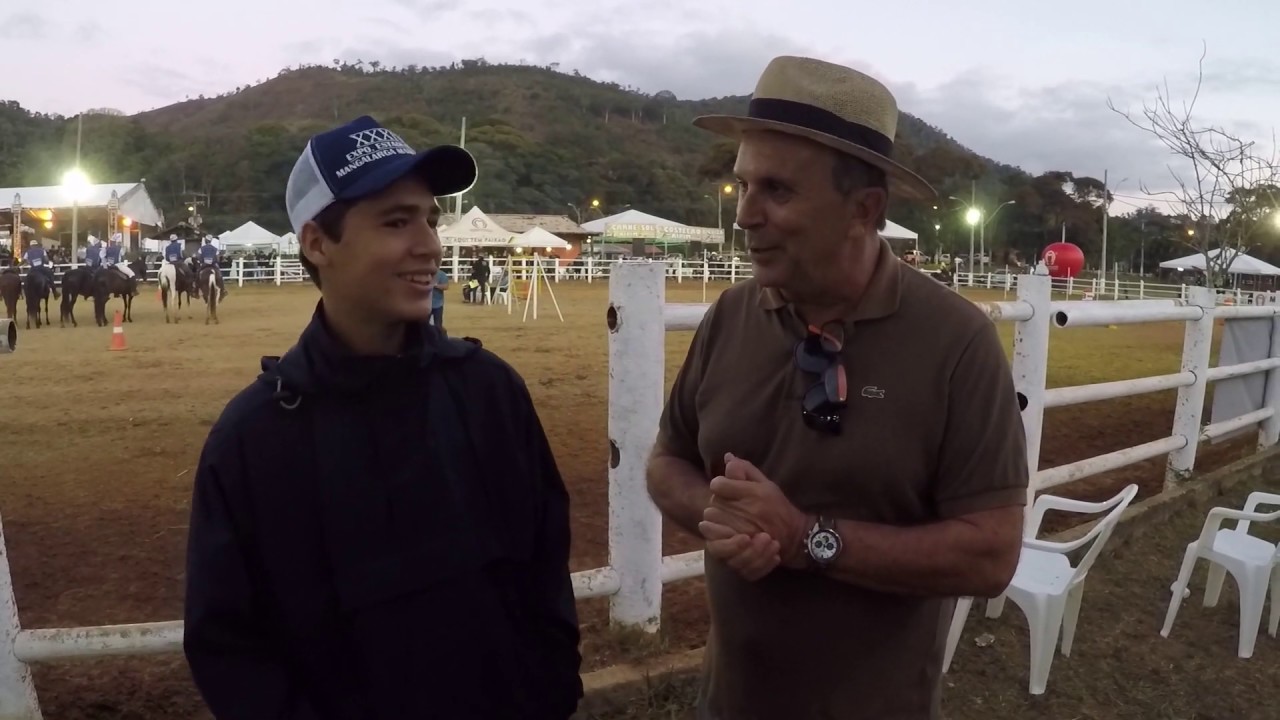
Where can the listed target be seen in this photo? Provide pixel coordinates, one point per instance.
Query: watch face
(824, 545)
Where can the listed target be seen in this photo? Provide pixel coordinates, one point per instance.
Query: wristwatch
(823, 543)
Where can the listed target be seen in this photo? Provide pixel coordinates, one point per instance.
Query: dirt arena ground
(99, 449)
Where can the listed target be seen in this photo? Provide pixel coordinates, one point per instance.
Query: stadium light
(75, 183)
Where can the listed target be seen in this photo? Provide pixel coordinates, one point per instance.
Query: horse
(10, 291)
(36, 288)
(173, 284)
(76, 283)
(107, 283)
(207, 282)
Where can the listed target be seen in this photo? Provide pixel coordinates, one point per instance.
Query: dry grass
(99, 450)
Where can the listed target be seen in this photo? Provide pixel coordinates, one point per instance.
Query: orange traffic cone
(117, 335)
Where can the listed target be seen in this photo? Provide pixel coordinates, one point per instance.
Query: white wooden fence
(637, 319)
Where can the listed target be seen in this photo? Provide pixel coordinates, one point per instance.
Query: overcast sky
(1025, 83)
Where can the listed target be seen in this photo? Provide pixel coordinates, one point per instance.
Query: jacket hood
(321, 363)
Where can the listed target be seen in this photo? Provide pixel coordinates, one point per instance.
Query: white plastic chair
(1252, 561)
(1045, 586)
(498, 294)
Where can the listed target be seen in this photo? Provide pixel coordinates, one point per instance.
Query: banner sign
(664, 234)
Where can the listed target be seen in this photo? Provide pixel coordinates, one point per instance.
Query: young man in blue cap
(378, 528)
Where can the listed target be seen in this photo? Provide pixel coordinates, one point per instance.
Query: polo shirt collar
(881, 299)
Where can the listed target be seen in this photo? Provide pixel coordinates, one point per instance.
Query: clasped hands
(750, 524)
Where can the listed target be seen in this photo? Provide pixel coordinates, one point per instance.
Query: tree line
(549, 141)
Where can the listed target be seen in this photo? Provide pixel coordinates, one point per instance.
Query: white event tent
(894, 231)
(473, 229)
(250, 235)
(1241, 264)
(135, 203)
(535, 238)
(636, 225)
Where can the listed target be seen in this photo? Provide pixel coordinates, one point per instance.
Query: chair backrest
(1218, 515)
(1101, 531)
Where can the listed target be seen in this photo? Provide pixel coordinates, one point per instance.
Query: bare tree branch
(1221, 197)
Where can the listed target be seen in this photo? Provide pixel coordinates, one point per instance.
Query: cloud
(89, 31)
(163, 82)
(23, 26)
(691, 65)
(429, 8)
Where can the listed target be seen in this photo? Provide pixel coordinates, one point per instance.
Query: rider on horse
(173, 255)
(38, 259)
(209, 258)
(113, 258)
(93, 255)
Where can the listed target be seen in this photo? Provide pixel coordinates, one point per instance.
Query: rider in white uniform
(113, 258)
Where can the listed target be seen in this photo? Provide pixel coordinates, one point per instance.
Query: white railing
(638, 318)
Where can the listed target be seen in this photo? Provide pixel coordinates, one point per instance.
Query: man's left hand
(746, 494)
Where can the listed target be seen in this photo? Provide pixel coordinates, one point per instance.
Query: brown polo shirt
(932, 431)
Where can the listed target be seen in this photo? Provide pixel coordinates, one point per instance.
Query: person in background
(844, 434)
(379, 530)
(480, 273)
(209, 258)
(38, 259)
(437, 298)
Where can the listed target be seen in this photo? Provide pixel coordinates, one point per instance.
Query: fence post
(1196, 346)
(277, 271)
(1030, 366)
(1269, 430)
(17, 691)
(637, 365)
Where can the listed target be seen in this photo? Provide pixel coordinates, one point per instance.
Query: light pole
(74, 184)
(982, 247)
(972, 216)
(726, 190)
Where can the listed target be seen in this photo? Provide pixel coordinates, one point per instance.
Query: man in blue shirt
(113, 258)
(173, 251)
(38, 259)
(209, 258)
(173, 255)
(437, 298)
(93, 255)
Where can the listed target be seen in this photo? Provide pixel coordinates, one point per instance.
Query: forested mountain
(545, 140)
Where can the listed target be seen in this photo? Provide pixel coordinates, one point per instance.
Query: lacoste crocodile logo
(871, 391)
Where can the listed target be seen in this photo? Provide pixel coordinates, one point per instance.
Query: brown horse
(36, 288)
(174, 282)
(10, 291)
(76, 283)
(207, 286)
(106, 284)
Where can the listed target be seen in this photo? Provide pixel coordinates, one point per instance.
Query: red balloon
(1063, 259)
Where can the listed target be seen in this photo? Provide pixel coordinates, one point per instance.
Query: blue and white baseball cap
(362, 158)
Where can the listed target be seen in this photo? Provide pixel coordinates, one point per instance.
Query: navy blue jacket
(381, 538)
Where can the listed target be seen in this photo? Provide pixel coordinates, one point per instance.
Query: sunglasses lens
(809, 358)
(836, 384)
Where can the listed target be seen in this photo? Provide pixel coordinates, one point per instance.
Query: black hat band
(819, 120)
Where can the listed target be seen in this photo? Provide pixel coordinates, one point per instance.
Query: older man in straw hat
(844, 433)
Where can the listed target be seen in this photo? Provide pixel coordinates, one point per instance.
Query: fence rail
(638, 318)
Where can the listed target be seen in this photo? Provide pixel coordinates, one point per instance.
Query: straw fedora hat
(831, 104)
